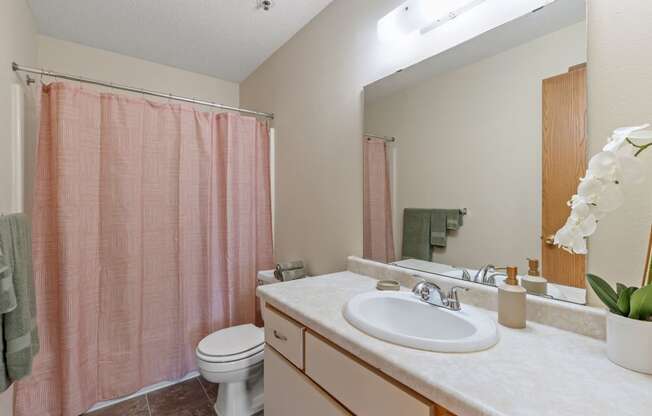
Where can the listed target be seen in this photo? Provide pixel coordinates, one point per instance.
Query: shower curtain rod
(20, 68)
(388, 139)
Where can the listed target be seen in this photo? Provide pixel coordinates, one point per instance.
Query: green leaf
(605, 292)
(619, 289)
(641, 303)
(624, 299)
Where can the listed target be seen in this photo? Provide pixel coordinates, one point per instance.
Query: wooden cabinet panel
(359, 388)
(285, 335)
(289, 393)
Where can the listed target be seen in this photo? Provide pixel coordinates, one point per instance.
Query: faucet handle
(466, 275)
(453, 300)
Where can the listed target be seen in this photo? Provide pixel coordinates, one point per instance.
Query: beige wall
(17, 43)
(471, 138)
(314, 83)
(620, 94)
(76, 59)
(314, 86)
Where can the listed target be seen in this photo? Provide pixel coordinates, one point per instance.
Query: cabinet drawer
(289, 393)
(362, 390)
(285, 335)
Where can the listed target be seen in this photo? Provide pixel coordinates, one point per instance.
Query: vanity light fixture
(421, 16)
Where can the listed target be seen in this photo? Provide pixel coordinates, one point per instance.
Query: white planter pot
(629, 343)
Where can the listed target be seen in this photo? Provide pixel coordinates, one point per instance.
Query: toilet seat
(238, 343)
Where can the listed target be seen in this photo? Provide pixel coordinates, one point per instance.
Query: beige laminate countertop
(538, 371)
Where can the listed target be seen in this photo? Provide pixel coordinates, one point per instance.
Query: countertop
(539, 370)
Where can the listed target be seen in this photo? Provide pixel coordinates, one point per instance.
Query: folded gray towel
(18, 323)
(416, 234)
(7, 292)
(287, 275)
(438, 227)
(454, 219)
(290, 270)
(290, 265)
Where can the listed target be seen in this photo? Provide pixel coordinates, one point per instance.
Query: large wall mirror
(471, 155)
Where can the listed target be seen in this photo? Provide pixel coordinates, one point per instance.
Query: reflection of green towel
(18, 336)
(416, 234)
(438, 226)
(454, 219)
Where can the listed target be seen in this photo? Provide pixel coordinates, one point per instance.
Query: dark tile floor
(194, 397)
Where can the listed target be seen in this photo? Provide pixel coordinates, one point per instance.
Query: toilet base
(242, 398)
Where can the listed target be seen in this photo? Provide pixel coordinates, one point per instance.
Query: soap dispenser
(533, 282)
(511, 301)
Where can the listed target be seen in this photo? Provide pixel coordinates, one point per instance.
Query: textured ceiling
(226, 39)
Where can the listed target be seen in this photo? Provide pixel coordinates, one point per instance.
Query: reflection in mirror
(488, 145)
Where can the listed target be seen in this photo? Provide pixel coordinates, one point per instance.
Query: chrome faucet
(481, 275)
(466, 275)
(431, 293)
(491, 279)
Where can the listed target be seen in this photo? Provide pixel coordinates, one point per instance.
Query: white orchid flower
(570, 238)
(641, 134)
(600, 190)
(620, 135)
(604, 166)
(583, 207)
(632, 169)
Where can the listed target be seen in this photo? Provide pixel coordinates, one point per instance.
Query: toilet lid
(236, 340)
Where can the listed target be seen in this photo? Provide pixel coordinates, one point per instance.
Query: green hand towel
(438, 227)
(18, 324)
(454, 219)
(416, 234)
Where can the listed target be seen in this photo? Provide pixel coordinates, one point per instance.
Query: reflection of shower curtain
(150, 221)
(378, 241)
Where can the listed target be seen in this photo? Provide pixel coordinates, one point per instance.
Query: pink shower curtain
(150, 221)
(378, 238)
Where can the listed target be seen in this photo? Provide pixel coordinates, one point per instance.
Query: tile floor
(194, 397)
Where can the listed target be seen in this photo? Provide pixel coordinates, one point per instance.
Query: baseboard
(143, 391)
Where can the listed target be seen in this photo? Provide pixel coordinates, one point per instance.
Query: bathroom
(161, 159)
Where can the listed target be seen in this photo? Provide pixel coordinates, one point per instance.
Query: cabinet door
(358, 387)
(564, 163)
(289, 393)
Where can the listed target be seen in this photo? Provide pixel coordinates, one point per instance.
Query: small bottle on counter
(511, 301)
(533, 282)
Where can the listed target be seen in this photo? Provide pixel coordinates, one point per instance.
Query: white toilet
(233, 358)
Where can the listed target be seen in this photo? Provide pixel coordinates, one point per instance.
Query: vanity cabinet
(289, 392)
(305, 374)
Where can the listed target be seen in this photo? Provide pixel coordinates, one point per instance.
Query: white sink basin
(402, 318)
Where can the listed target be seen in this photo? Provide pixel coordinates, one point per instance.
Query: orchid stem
(640, 147)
